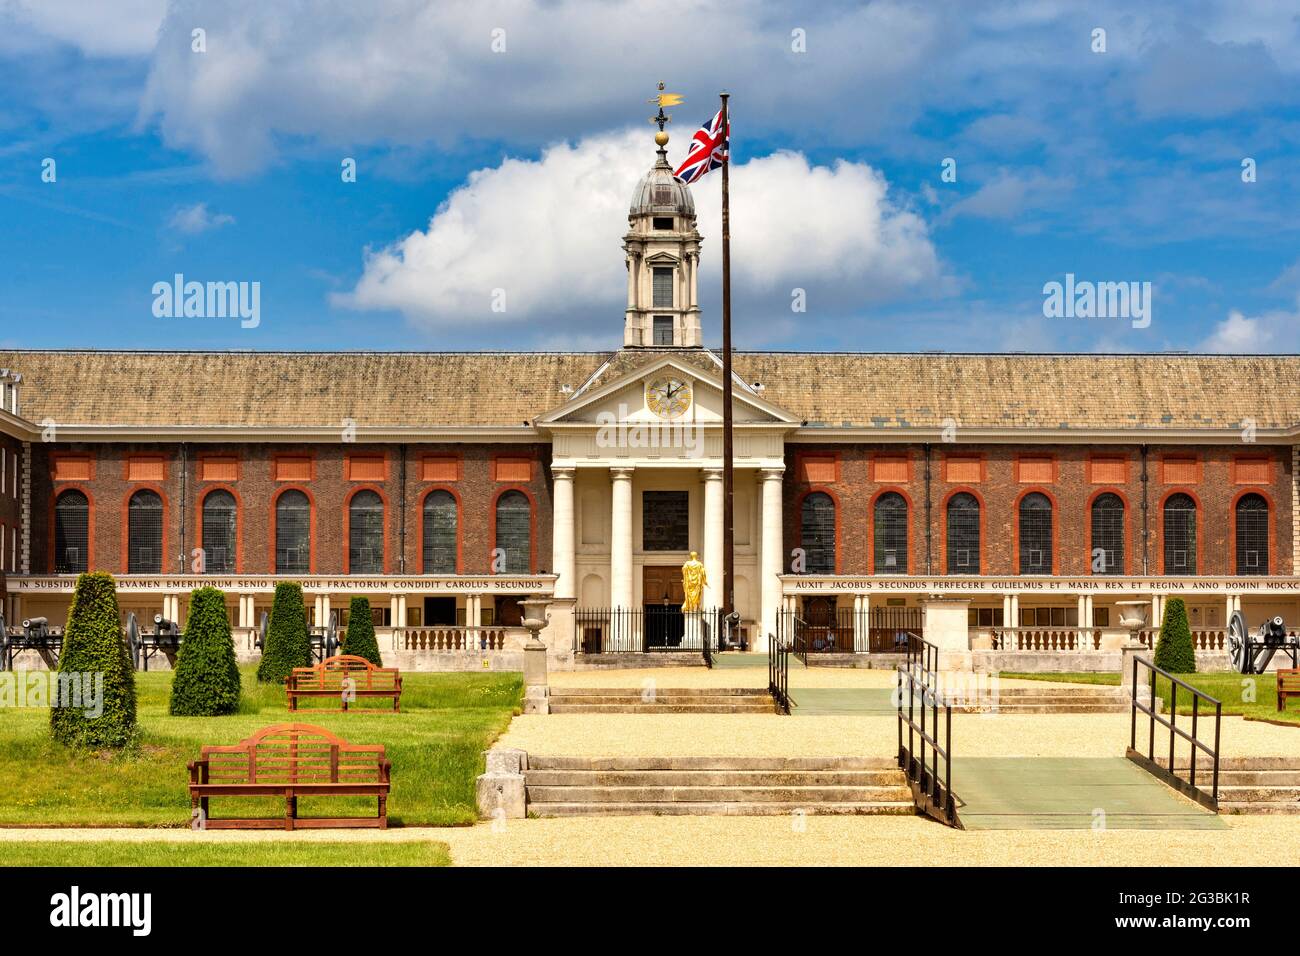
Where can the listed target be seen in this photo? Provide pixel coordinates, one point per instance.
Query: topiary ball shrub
(287, 643)
(360, 636)
(95, 662)
(1174, 650)
(206, 682)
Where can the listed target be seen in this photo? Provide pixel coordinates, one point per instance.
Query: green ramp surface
(1067, 793)
(840, 701)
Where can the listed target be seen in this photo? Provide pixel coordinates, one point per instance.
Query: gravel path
(974, 735)
(777, 841)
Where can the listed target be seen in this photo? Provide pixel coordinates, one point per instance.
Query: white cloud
(548, 233)
(1274, 331)
(196, 219)
(117, 28)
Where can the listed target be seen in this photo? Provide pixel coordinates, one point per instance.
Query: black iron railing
(925, 750)
(778, 672)
(922, 657)
(819, 629)
(1149, 707)
(707, 624)
(641, 630)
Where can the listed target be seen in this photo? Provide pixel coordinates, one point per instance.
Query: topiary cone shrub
(360, 636)
(94, 658)
(206, 682)
(1174, 650)
(287, 644)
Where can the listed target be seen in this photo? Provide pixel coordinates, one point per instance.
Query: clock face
(668, 397)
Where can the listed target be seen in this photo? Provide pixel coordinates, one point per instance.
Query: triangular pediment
(623, 397)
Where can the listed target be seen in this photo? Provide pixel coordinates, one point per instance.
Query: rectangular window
(1035, 469)
(71, 468)
(890, 468)
(1179, 470)
(663, 288)
(663, 329)
(665, 520)
(365, 468)
(444, 468)
(984, 617)
(1107, 470)
(512, 469)
(293, 468)
(145, 468)
(963, 469)
(1251, 471)
(818, 468)
(219, 468)
(663, 222)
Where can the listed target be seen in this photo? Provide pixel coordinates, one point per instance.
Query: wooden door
(662, 584)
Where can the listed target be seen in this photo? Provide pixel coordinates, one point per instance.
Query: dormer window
(664, 223)
(663, 288)
(663, 195)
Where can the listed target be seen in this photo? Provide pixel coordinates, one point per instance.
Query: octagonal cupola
(663, 256)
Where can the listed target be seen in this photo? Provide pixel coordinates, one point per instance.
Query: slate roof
(869, 390)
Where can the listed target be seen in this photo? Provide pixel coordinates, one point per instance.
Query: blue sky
(497, 146)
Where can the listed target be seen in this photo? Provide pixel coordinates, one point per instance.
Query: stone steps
(1047, 707)
(730, 786)
(894, 808)
(682, 700)
(1263, 785)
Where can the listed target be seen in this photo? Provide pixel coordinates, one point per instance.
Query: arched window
(1180, 534)
(144, 533)
(1107, 555)
(817, 533)
(219, 532)
(963, 534)
(514, 538)
(366, 533)
(1252, 535)
(1035, 534)
(292, 533)
(440, 533)
(71, 533)
(891, 534)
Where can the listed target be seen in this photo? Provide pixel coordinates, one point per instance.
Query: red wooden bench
(290, 760)
(1288, 685)
(345, 677)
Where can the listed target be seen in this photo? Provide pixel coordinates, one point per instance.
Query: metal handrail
(923, 654)
(778, 672)
(926, 779)
(1175, 732)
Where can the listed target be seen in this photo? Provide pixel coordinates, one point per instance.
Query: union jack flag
(708, 149)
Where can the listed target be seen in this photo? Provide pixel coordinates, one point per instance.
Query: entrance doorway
(661, 598)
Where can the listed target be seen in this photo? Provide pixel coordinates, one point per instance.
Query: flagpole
(728, 478)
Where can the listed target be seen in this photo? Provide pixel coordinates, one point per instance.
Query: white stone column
(713, 553)
(1081, 612)
(401, 611)
(473, 610)
(620, 543)
(862, 623)
(562, 546)
(770, 558)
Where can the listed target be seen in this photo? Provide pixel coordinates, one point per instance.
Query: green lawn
(1249, 696)
(130, 853)
(435, 745)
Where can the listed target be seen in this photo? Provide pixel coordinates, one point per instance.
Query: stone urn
(537, 691)
(1132, 615)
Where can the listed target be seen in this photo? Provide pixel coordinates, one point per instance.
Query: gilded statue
(693, 582)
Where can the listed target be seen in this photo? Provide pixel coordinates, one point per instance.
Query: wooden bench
(345, 677)
(1288, 685)
(290, 760)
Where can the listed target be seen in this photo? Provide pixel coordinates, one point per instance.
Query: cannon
(35, 634)
(165, 639)
(325, 640)
(1251, 654)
